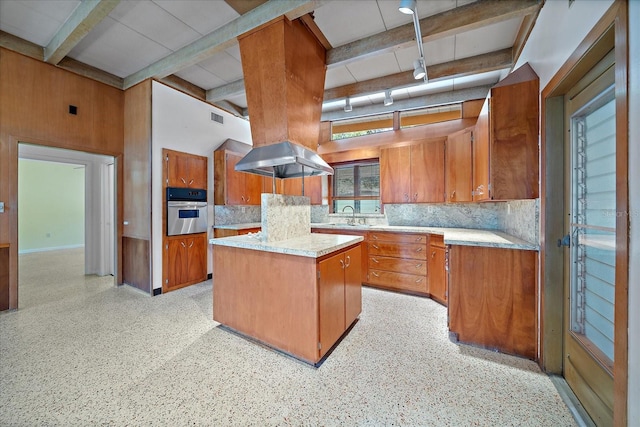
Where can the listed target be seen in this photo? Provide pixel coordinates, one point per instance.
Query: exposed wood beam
(222, 38)
(454, 21)
(244, 6)
(476, 64)
(523, 33)
(185, 86)
(86, 16)
(226, 91)
(16, 44)
(85, 70)
(411, 103)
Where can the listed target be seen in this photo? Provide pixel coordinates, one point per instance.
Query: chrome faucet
(352, 221)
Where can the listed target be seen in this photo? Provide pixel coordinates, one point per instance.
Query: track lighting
(347, 105)
(419, 71)
(408, 7)
(388, 100)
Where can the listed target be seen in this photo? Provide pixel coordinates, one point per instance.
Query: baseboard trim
(53, 248)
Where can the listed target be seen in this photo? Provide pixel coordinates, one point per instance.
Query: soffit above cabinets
(195, 41)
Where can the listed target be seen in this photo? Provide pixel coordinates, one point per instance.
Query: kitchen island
(298, 296)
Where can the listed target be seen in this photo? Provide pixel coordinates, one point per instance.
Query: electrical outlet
(244, 209)
(1, 207)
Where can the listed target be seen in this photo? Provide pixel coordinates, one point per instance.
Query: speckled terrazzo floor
(83, 352)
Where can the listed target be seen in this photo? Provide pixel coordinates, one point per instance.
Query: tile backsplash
(454, 215)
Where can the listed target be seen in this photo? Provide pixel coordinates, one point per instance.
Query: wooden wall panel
(34, 108)
(136, 267)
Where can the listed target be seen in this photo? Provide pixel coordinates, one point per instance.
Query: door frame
(611, 29)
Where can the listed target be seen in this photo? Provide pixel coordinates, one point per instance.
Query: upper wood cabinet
(413, 173)
(185, 170)
(505, 147)
(232, 187)
(458, 169)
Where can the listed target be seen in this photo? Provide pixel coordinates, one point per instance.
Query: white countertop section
(313, 245)
(452, 236)
(242, 226)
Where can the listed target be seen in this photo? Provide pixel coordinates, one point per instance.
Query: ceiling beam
(523, 34)
(492, 61)
(84, 18)
(244, 6)
(17, 44)
(182, 85)
(435, 99)
(93, 73)
(223, 92)
(222, 38)
(455, 21)
(232, 108)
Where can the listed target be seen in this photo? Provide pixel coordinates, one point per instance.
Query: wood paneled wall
(34, 108)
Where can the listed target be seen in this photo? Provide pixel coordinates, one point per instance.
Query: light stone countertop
(313, 245)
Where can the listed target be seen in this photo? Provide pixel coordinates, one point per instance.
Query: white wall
(183, 123)
(634, 210)
(557, 33)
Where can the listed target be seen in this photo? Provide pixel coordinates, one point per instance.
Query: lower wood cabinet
(398, 261)
(438, 278)
(339, 295)
(226, 232)
(185, 261)
(364, 250)
(492, 298)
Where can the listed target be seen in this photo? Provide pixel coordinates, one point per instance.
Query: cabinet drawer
(436, 240)
(410, 266)
(403, 281)
(411, 251)
(397, 237)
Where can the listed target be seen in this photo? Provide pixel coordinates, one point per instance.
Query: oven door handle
(186, 205)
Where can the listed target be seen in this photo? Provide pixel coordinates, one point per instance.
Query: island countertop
(313, 245)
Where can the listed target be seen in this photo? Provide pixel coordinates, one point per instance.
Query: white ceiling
(138, 33)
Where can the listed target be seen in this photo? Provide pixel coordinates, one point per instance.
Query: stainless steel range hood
(283, 160)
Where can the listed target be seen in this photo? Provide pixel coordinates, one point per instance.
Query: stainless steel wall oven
(186, 211)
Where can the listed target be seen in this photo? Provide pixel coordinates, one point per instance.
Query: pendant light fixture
(347, 105)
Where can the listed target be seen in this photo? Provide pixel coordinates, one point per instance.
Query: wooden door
(197, 258)
(437, 274)
(459, 177)
(352, 285)
(480, 150)
(177, 262)
(395, 175)
(331, 303)
(427, 172)
(234, 181)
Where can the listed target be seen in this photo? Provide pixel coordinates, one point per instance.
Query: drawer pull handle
(183, 245)
(419, 280)
(419, 249)
(348, 262)
(248, 197)
(375, 260)
(433, 254)
(418, 239)
(183, 181)
(191, 245)
(375, 247)
(375, 274)
(190, 182)
(374, 237)
(342, 264)
(418, 265)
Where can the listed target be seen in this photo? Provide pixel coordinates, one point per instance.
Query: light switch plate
(1, 207)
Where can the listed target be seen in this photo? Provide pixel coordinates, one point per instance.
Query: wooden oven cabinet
(505, 146)
(492, 298)
(412, 173)
(185, 170)
(185, 260)
(398, 261)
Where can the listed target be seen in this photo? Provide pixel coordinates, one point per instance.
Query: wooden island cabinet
(492, 298)
(300, 305)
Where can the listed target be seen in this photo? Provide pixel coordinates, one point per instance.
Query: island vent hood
(284, 69)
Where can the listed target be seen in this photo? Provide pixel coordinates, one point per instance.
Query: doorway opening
(66, 223)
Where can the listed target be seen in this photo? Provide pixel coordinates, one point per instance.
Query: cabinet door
(197, 172)
(178, 262)
(352, 285)
(331, 301)
(459, 177)
(177, 170)
(481, 154)
(395, 175)
(234, 180)
(197, 258)
(427, 172)
(437, 274)
(252, 188)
